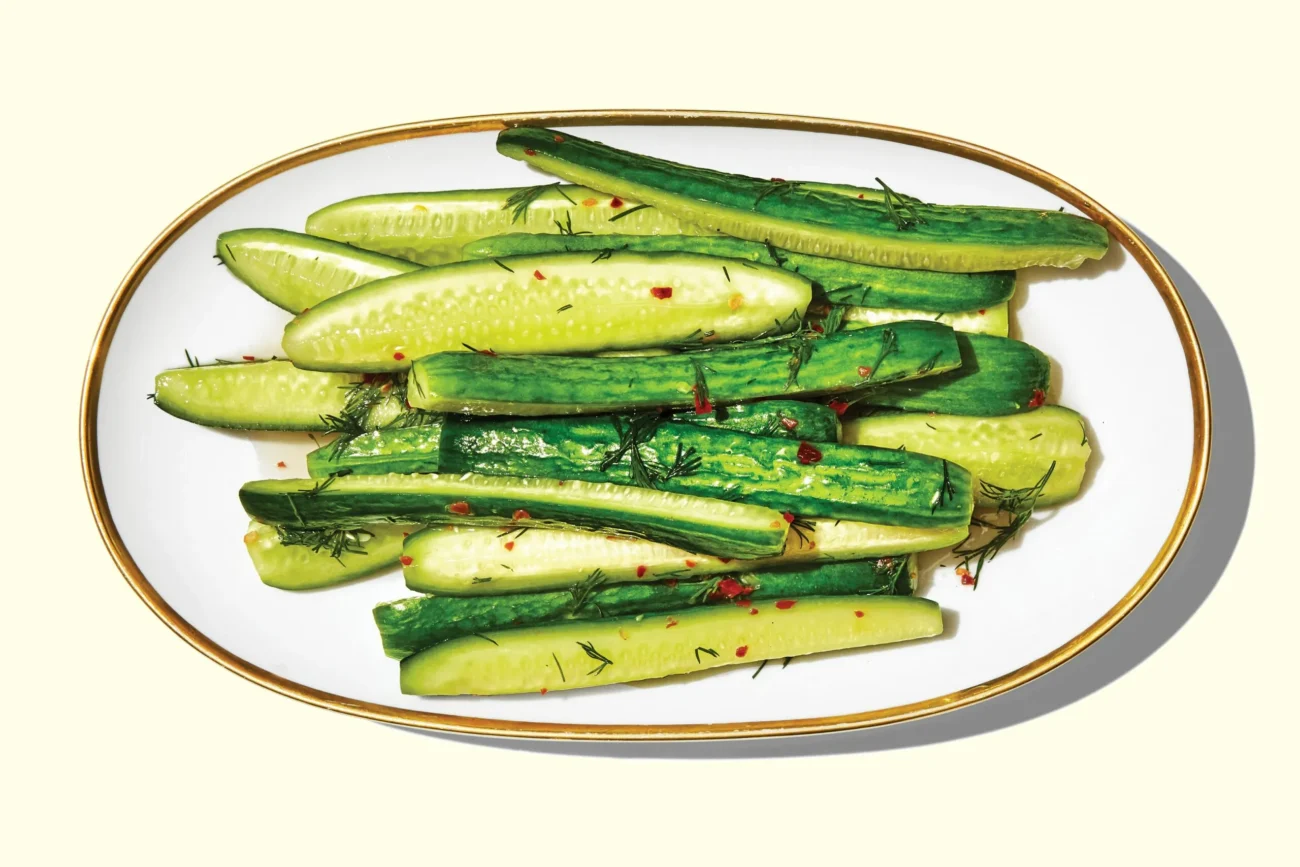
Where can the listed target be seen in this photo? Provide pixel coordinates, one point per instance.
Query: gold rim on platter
(510, 728)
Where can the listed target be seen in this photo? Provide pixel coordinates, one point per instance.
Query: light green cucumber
(472, 561)
(547, 304)
(720, 528)
(892, 232)
(993, 320)
(261, 395)
(431, 228)
(368, 550)
(1010, 451)
(624, 649)
(296, 271)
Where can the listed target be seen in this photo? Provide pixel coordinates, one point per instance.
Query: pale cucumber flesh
(298, 567)
(624, 649)
(993, 320)
(561, 303)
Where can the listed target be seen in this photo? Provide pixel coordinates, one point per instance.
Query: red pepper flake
(588, 203)
(671, 582)
(729, 588)
(487, 352)
(778, 180)
(862, 195)
(966, 578)
(789, 423)
(742, 650)
(250, 537)
(250, 358)
(405, 560)
(305, 309)
(543, 690)
(789, 517)
(786, 604)
(459, 508)
(690, 564)
(864, 371)
(724, 559)
(818, 328)
(743, 601)
(405, 534)
(510, 546)
(662, 292)
(616, 202)
(808, 453)
(521, 515)
(736, 301)
(670, 624)
(640, 571)
(981, 312)
(1037, 399)
(538, 275)
(398, 356)
(753, 611)
(386, 387)
(839, 406)
(776, 525)
(703, 406)
(281, 464)
(859, 614)
(530, 152)
(559, 138)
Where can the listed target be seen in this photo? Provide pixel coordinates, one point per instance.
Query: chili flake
(537, 275)
(671, 582)
(724, 559)
(521, 515)
(459, 508)
(587, 203)
(735, 301)
(859, 614)
(670, 624)
(661, 292)
(281, 464)
(864, 371)
(729, 588)
(703, 405)
(818, 328)
(616, 202)
(640, 571)
(543, 690)
(786, 604)
(862, 195)
(966, 578)
(559, 138)
(981, 312)
(250, 537)
(530, 152)
(753, 611)
(742, 650)
(405, 560)
(789, 423)
(250, 358)
(839, 406)
(1037, 399)
(778, 180)
(398, 356)
(510, 546)
(789, 517)
(808, 453)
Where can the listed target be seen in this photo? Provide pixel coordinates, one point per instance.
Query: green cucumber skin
(1012, 451)
(953, 238)
(295, 271)
(380, 452)
(723, 529)
(997, 376)
(855, 483)
(556, 303)
(415, 449)
(431, 228)
(294, 567)
(479, 561)
(995, 320)
(838, 281)
(551, 385)
(552, 657)
(410, 625)
(258, 395)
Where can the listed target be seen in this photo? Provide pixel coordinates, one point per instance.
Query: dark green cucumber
(853, 483)
(711, 526)
(379, 452)
(369, 550)
(1007, 451)
(559, 303)
(410, 625)
(431, 228)
(553, 385)
(485, 561)
(997, 376)
(582, 653)
(296, 271)
(891, 232)
(261, 395)
(415, 449)
(840, 282)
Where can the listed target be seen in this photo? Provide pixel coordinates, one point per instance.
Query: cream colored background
(122, 742)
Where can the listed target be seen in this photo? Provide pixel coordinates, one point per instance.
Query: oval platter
(1124, 354)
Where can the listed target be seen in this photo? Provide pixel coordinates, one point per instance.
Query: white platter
(164, 491)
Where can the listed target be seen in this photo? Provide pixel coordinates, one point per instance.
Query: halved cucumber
(1011, 451)
(259, 395)
(839, 281)
(720, 528)
(993, 320)
(299, 567)
(892, 232)
(623, 649)
(803, 364)
(431, 228)
(472, 561)
(410, 625)
(558, 303)
(297, 271)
